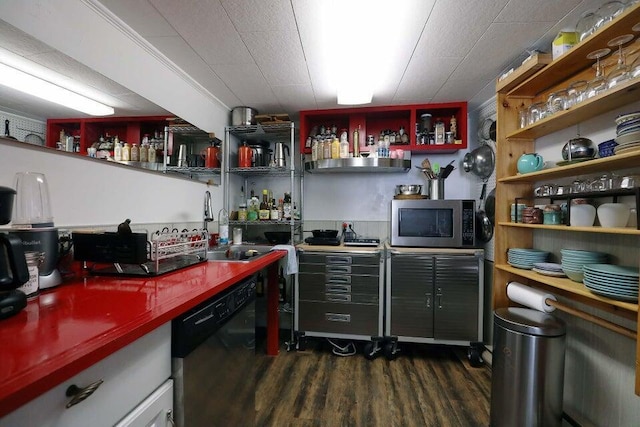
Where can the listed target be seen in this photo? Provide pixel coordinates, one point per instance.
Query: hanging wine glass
(588, 23)
(599, 83)
(621, 72)
(610, 10)
(634, 69)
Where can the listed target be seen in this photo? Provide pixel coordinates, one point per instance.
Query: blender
(33, 224)
(13, 264)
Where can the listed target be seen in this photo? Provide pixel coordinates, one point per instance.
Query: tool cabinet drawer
(339, 318)
(367, 270)
(339, 258)
(312, 283)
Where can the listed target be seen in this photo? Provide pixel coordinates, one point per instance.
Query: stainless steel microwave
(433, 223)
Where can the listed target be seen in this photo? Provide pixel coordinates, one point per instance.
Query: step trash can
(527, 375)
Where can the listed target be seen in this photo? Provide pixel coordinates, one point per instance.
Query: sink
(238, 253)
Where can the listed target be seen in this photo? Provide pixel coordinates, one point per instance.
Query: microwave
(433, 223)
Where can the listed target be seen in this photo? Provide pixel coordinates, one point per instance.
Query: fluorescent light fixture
(27, 83)
(367, 36)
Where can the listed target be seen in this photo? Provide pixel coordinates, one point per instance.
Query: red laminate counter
(66, 329)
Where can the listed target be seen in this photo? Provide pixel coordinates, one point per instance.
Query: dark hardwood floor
(427, 385)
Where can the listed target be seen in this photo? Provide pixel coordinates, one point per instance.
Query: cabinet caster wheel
(475, 357)
(371, 350)
(391, 350)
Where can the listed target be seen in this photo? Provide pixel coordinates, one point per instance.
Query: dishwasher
(213, 360)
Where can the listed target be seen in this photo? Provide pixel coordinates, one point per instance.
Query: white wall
(91, 192)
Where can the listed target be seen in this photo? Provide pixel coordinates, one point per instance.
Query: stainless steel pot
(408, 189)
(260, 156)
(243, 116)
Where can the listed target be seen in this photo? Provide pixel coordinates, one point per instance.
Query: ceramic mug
(530, 162)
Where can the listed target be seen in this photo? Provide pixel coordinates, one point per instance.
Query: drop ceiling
(266, 54)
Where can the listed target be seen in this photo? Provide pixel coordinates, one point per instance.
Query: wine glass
(588, 23)
(576, 92)
(599, 83)
(610, 10)
(621, 72)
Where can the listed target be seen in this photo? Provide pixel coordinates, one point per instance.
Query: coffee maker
(13, 264)
(33, 224)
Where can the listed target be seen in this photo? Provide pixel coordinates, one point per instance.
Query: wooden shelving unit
(522, 90)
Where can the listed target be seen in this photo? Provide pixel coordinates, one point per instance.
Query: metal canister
(32, 287)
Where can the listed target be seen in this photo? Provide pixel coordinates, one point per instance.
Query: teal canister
(530, 162)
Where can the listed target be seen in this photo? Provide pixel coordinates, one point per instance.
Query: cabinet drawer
(339, 258)
(368, 270)
(130, 375)
(338, 318)
(339, 283)
(321, 294)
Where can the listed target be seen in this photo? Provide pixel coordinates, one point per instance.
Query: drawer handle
(339, 269)
(339, 297)
(80, 394)
(170, 418)
(339, 259)
(334, 317)
(338, 288)
(339, 279)
(428, 297)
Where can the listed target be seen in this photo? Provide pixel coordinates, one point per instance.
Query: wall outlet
(349, 225)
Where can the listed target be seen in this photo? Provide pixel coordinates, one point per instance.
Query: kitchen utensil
(447, 170)
(34, 139)
(490, 205)
(436, 189)
(279, 154)
(243, 116)
(260, 155)
(32, 203)
(483, 161)
(484, 227)
(324, 233)
(467, 162)
(530, 162)
(6, 130)
(244, 155)
(212, 157)
(280, 237)
(580, 149)
(408, 189)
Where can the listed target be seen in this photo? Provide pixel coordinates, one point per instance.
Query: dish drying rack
(166, 245)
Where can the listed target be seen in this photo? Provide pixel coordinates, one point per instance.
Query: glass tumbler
(557, 101)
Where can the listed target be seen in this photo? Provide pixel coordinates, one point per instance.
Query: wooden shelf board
(575, 59)
(530, 66)
(605, 164)
(568, 286)
(603, 230)
(617, 97)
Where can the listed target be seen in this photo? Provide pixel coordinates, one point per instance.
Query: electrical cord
(347, 350)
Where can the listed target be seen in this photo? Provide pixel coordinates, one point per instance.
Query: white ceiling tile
(142, 16)
(279, 56)
(207, 29)
(424, 77)
(187, 59)
(260, 15)
(299, 97)
(246, 82)
(457, 90)
(536, 11)
(489, 54)
(454, 26)
(20, 43)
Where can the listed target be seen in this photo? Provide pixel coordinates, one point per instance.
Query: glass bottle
(135, 153)
(274, 210)
(314, 150)
(223, 227)
(260, 284)
(263, 211)
(117, 151)
(335, 149)
(326, 150)
(344, 146)
(126, 152)
(144, 153)
(286, 207)
(356, 142)
(153, 155)
(280, 210)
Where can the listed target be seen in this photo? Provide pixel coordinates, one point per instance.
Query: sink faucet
(208, 210)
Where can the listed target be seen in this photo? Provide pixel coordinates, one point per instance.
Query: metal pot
(580, 149)
(243, 116)
(480, 162)
(260, 156)
(408, 189)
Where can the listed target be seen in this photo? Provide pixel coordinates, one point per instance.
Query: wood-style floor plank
(427, 385)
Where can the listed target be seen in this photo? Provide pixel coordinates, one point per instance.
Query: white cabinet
(129, 376)
(155, 411)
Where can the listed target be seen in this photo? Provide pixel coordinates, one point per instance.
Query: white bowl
(613, 214)
(582, 215)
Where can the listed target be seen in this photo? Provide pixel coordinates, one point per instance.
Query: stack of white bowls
(525, 258)
(573, 261)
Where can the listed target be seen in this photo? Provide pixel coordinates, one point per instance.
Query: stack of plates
(525, 258)
(549, 269)
(628, 133)
(613, 281)
(574, 260)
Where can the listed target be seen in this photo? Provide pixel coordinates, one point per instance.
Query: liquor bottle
(260, 284)
(264, 212)
(223, 227)
(144, 153)
(356, 142)
(152, 153)
(335, 149)
(344, 146)
(286, 207)
(282, 286)
(274, 210)
(117, 151)
(126, 152)
(280, 210)
(135, 153)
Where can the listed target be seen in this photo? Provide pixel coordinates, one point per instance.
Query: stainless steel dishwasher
(213, 360)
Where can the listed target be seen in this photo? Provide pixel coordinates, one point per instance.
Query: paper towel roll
(530, 297)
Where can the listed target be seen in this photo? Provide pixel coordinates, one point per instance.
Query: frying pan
(484, 227)
(490, 206)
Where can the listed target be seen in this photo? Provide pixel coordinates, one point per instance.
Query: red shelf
(372, 120)
(129, 129)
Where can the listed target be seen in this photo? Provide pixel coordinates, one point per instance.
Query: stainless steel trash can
(527, 375)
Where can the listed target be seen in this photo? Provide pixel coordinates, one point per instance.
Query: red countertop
(66, 329)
